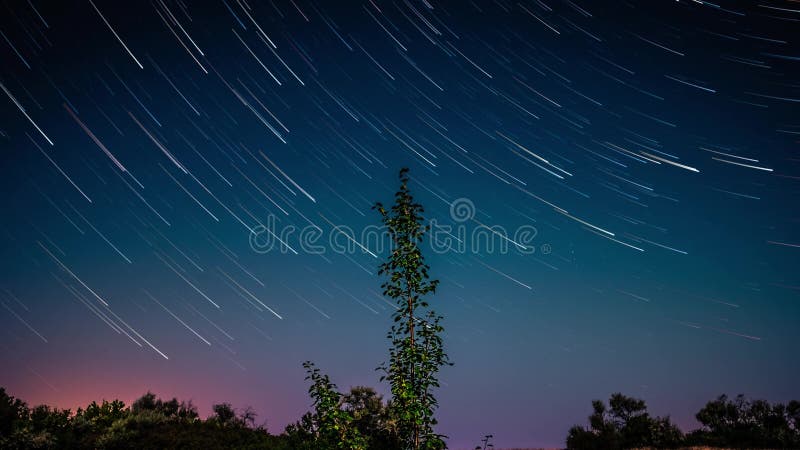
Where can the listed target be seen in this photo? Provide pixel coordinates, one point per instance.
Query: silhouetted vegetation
(748, 424)
(360, 419)
(486, 443)
(625, 423)
(149, 423)
(738, 423)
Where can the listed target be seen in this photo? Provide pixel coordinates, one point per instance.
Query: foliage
(417, 352)
(360, 419)
(365, 421)
(170, 408)
(330, 426)
(369, 415)
(625, 423)
(372, 417)
(149, 423)
(13, 413)
(726, 423)
(744, 423)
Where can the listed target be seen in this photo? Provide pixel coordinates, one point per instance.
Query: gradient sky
(652, 145)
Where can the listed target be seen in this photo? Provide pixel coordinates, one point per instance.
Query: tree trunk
(413, 344)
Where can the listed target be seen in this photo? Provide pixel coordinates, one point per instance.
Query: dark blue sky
(652, 146)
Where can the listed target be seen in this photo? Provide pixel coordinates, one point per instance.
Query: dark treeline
(729, 423)
(360, 419)
(355, 420)
(153, 423)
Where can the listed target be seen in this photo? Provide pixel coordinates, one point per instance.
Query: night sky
(149, 149)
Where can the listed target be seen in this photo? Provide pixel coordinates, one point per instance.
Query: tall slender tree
(417, 351)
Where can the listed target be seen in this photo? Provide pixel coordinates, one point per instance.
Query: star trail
(186, 194)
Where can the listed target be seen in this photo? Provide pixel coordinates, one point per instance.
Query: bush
(624, 424)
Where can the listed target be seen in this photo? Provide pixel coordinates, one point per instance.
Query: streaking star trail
(612, 189)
